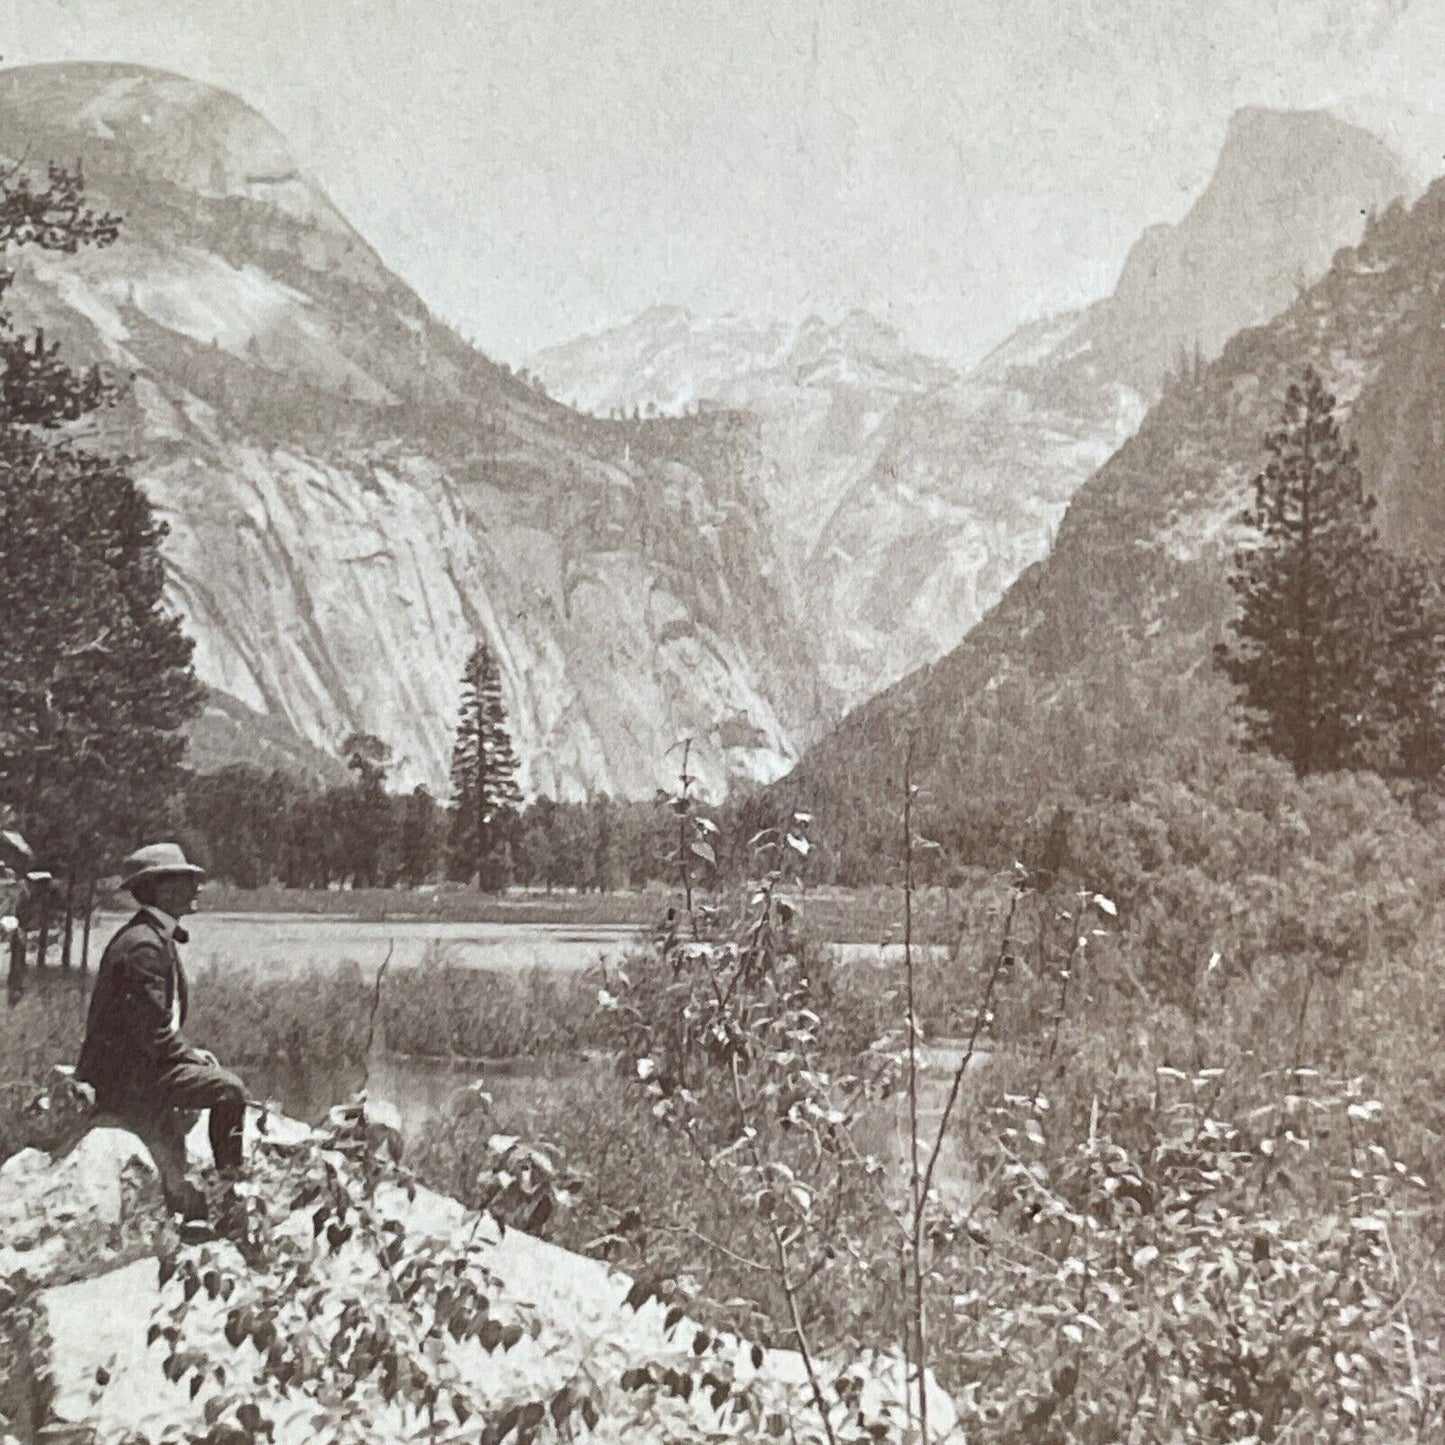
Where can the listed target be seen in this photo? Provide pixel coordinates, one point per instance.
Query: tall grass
(38, 1031)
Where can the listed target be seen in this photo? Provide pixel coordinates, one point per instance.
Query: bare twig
(375, 1009)
(980, 1022)
(718, 1247)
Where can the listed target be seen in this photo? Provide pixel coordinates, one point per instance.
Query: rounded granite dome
(134, 121)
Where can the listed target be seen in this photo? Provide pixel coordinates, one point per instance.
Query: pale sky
(541, 168)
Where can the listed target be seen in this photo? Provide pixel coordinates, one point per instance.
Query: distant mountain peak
(1267, 124)
(1283, 151)
(1288, 188)
(670, 358)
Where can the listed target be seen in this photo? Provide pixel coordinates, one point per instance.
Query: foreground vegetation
(1181, 1182)
(1200, 1196)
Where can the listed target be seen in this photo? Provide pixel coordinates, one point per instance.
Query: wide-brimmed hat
(157, 860)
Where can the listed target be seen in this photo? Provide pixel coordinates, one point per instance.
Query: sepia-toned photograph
(722, 720)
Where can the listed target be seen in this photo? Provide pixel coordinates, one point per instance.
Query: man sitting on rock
(134, 1057)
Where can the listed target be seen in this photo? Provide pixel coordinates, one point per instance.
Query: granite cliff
(354, 493)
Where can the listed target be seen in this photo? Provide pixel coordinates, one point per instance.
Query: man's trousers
(157, 1114)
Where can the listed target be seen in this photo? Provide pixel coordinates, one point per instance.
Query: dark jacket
(130, 1040)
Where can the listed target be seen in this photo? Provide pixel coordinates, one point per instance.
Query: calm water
(292, 941)
(422, 1088)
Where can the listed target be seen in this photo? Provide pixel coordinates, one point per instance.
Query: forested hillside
(1098, 659)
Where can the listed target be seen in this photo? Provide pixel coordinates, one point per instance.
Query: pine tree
(484, 776)
(419, 837)
(95, 674)
(365, 840)
(1308, 630)
(1410, 684)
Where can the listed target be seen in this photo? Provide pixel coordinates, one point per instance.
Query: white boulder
(77, 1227)
(76, 1216)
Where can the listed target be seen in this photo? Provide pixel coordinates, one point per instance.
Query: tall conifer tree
(1307, 636)
(484, 773)
(95, 674)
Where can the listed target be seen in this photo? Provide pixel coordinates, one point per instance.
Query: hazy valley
(354, 493)
(908, 496)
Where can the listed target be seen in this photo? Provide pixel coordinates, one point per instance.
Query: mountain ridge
(909, 494)
(1110, 637)
(354, 493)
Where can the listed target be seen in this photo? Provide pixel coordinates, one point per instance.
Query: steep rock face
(962, 490)
(909, 497)
(1288, 189)
(354, 494)
(1135, 586)
(975, 478)
(903, 496)
(823, 393)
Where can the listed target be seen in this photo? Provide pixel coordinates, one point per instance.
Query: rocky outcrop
(82, 1214)
(1289, 188)
(88, 1363)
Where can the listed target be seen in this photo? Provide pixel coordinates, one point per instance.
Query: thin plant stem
(780, 1253)
(915, 1176)
(980, 1022)
(375, 1010)
(683, 815)
(1075, 958)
